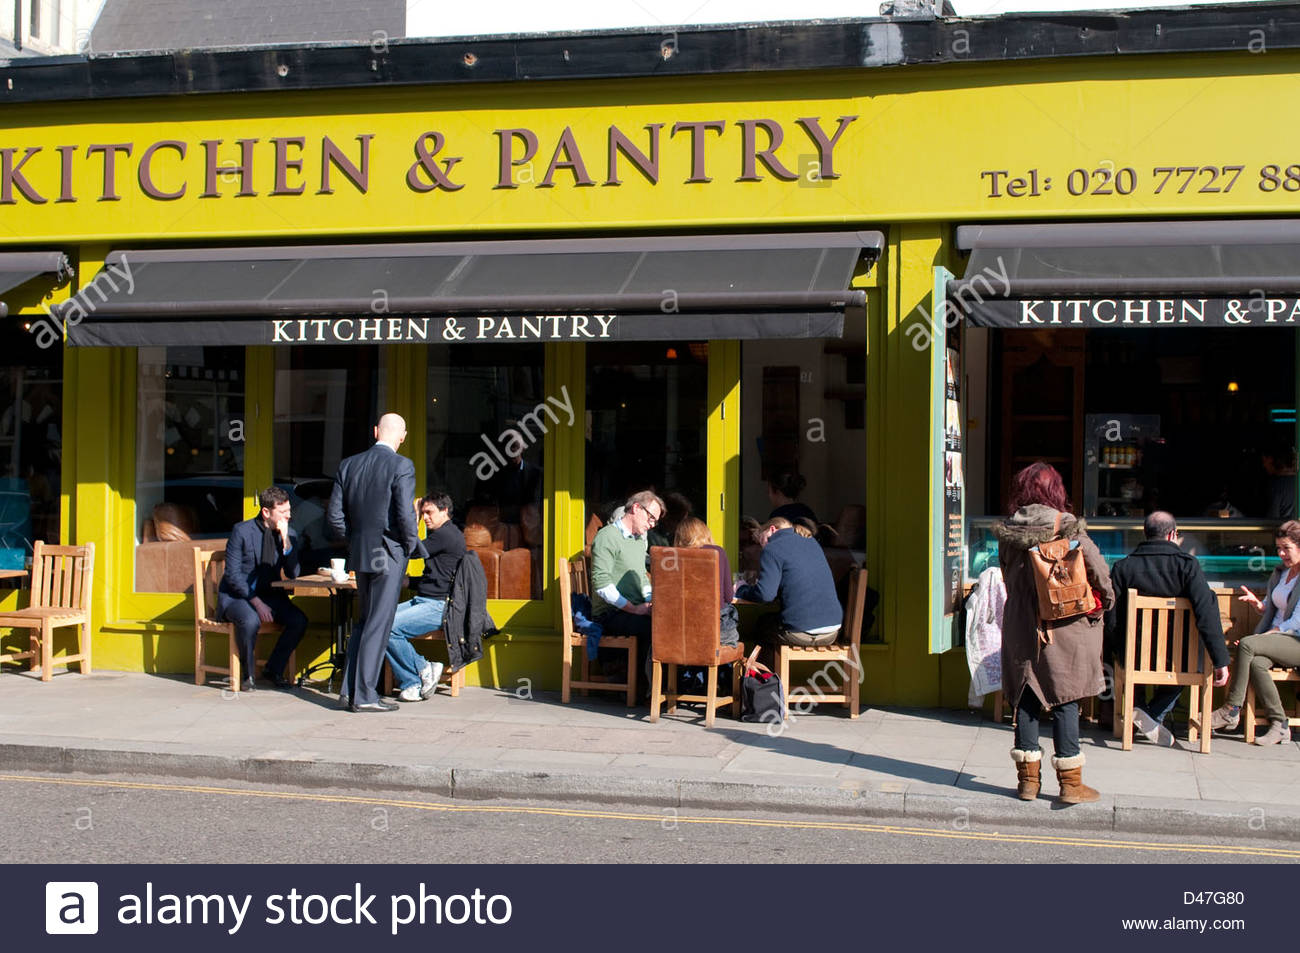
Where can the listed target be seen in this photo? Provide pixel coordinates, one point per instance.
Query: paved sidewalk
(918, 765)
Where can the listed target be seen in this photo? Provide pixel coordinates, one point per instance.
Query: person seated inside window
(782, 490)
(794, 568)
(442, 549)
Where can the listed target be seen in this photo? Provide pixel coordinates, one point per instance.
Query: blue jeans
(1162, 701)
(1065, 725)
(417, 616)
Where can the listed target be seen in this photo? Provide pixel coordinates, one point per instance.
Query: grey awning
(18, 268)
(1130, 274)
(694, 287)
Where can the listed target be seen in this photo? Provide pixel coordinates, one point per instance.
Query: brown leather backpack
(1061, 577)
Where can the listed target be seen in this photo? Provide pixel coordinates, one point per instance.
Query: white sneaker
(1155, 731)
(428, 685)
(414, 693)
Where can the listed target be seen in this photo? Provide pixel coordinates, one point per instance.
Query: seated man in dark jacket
(794, 568)
(1159, 567)
(442, 549)
(259, 551)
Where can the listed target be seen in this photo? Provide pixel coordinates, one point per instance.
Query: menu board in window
(953, 485)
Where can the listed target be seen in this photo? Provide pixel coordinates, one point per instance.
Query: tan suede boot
(1028, 765)
(1279, 733)
(1069, 772)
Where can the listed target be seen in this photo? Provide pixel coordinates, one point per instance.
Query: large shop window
(189, 458)
(31, 446)
(488, 417)
(326, 404)
(803, 438)
(647, 429)
(1200, 423)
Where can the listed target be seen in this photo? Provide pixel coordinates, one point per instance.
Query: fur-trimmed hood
(1031, 525)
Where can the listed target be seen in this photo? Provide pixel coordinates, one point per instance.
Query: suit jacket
(245, 575)
(372, 507)
(1267, 619)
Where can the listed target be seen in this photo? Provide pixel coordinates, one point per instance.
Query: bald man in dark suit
(372, 506)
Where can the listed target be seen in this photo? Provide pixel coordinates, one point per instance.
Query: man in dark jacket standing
(259, 551)
(1159, 567)
(372, 506)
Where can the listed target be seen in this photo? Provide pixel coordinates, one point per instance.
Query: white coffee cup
(338, 569)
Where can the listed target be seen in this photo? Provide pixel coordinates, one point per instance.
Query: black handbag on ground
(761, 698)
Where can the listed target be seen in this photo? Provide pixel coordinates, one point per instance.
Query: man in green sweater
(620, 584)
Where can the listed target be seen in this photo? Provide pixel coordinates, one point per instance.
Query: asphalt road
(97, 819)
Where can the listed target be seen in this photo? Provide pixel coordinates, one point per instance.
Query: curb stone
(1119, 814)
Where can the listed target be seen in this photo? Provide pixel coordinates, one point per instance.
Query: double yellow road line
(1240, 850)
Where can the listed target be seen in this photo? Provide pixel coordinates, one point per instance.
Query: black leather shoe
(248, 685)
(380, 705)
(279, 681)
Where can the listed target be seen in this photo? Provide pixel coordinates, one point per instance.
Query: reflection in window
(31, 446)
(647, 428)
(803, 441)
(189, 457)
(326, 406)
(487, 419)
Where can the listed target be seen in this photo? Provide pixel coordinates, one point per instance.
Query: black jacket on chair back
(466, 621)
(372, 506)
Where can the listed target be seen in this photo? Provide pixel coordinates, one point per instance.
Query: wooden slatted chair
(685, 629)
(574, 577)
(844, 654)
(209, 565)
(1162, 646)
(1251, 719)
(60, 596)
(456, 679)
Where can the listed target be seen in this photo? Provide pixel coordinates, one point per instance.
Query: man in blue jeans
(1160, 567)
(442, 550)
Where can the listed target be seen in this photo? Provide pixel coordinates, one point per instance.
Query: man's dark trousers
(242, 613)
(377, 596)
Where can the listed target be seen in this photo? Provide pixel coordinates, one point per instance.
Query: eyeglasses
(651, 519)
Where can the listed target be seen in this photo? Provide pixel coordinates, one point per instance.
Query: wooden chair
(846, 650)
(454, 679)
(685, 629)
(1162, 646)
(209, 565)
(1251, 720)
(574, 578)
(61, 586)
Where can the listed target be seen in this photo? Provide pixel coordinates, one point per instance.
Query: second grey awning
(712, 286)
(1113, 274)
(18, 268)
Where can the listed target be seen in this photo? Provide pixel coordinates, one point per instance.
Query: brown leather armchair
(685, 628)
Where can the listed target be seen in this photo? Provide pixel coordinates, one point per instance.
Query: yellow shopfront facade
(761, 180)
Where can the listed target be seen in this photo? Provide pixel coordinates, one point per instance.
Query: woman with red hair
(1047, 665)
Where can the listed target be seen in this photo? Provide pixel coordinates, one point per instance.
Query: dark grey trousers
(377, 598)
